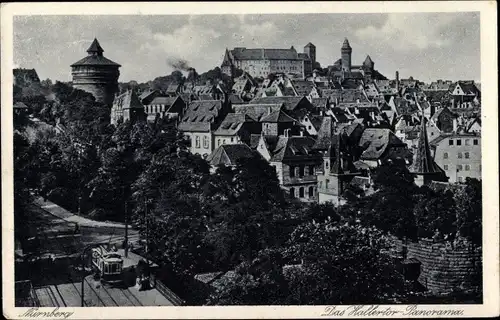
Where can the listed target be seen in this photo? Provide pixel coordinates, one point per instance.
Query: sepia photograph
(250, 159)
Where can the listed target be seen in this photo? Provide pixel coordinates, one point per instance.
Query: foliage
(469, 211)
(342, 263)
(258, 282)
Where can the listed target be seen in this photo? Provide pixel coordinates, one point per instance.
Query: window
(445, 155)
(311, 191)
(292, 192)
(218, 142)
(459, 142)
(467, 167)
(467, 142)
(466, 155)
(450, 142)
(327, 164)
(459, 167)
(232, 139)
(309, 127)
(460, 155)
(197, 142)
(321, 184)
(476, 142)
(301, 171)
(311, 170)
(326, 183)
(292, 171)
(205, 142)
(445, 167)
(301, 192)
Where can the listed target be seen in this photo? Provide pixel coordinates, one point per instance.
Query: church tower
(424, 167)
(96, 74)
(346, 52)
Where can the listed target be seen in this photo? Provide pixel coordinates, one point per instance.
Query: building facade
(262, 62)
(459, 155)
(96, 74)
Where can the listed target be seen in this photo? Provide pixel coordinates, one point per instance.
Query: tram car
(108, 263)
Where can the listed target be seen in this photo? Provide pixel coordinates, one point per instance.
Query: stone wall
(445, 268)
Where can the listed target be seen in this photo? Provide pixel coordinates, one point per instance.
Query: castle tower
(227, 66)
(310, 50)
(96, 74)
(345, 54)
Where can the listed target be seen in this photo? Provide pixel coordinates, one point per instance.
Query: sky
(427, 46)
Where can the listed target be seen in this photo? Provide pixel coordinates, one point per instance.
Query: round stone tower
(96, 74)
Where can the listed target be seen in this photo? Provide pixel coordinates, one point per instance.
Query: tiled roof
(95, 61)
(278, 116)
(200, 115)
(173, 88)
(232, 124)
(423, 162)
(167, 101)
(375, 142)
(257, 111)
(316, 121)
(468, 87)
(320, 103)
(346, 95)
(235, 99)
(229, 154)
(289, 103)
(290, 147)
(128, 100)
(302, 87)
(325, 134)
(95, 47)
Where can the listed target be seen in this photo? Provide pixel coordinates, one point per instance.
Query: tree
(340, 264)
(469, 211)
(259, 282)
(435, 211)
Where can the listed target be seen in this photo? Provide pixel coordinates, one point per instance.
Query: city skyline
(435, 50)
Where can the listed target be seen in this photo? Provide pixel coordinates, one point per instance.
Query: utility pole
(126, 223)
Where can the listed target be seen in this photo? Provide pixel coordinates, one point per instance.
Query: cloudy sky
(427, 46)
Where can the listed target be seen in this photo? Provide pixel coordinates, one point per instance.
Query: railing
(169, 294)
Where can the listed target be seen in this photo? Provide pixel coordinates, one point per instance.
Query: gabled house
(236, 128)
(380, 145)
(174, 89)
(338, 169)
(278, 122)
(295, 162)
(127, 107)
(165, 107)
(147, 96)
(229, 155)
(200, 120)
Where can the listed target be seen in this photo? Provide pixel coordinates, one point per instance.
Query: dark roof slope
(229, 154)
(200, 115)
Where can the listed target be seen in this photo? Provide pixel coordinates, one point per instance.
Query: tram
(108, 263)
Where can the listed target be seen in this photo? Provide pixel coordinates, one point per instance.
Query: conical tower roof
(310, 45)
(95, 48)
(346, 44)
(368, 60)
(423, 162)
